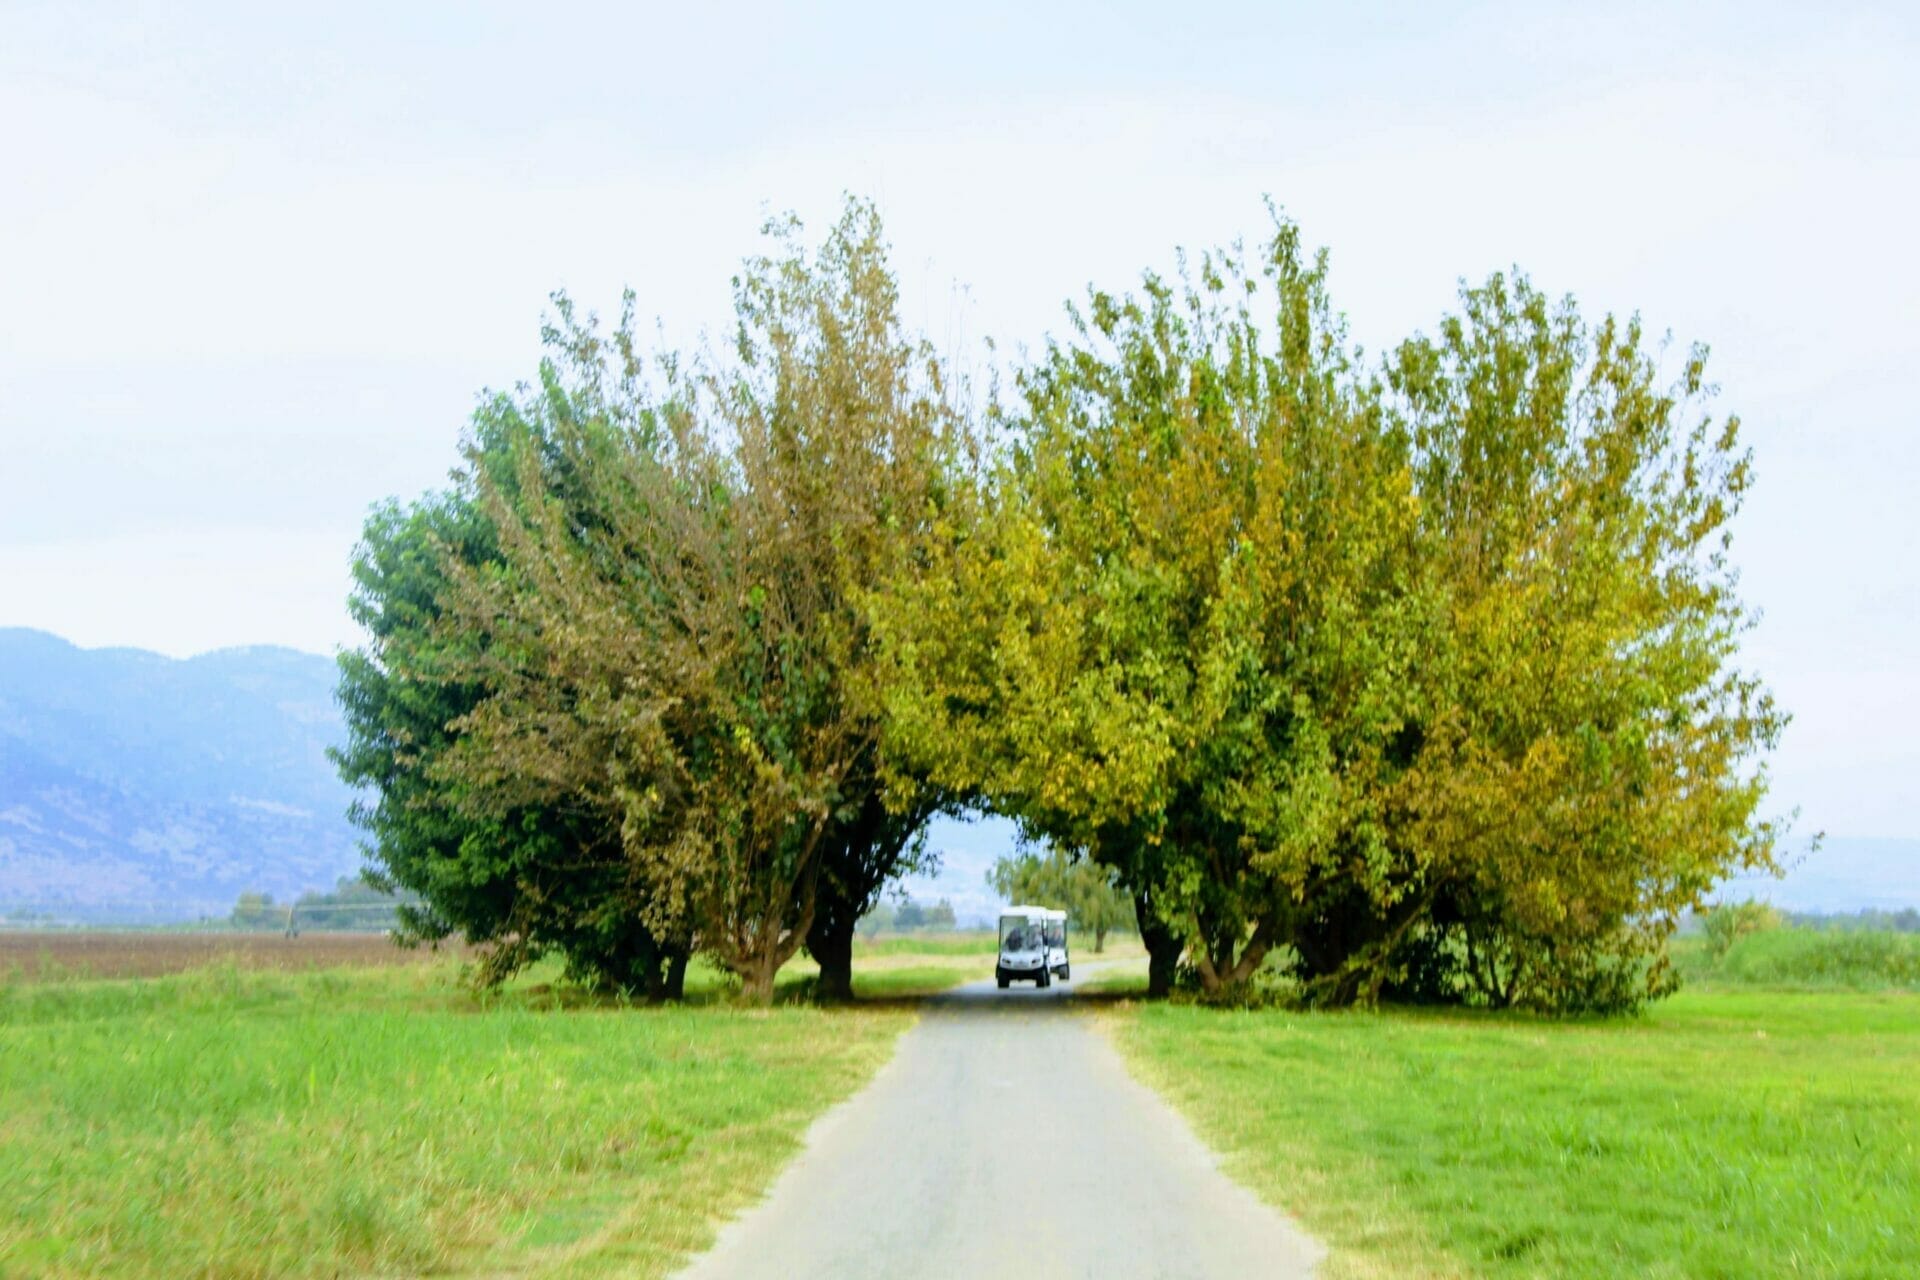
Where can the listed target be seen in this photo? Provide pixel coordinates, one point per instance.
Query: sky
(256, 264)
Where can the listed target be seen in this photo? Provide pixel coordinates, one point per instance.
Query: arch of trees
(1418, 675)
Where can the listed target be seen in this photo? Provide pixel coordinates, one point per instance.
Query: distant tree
(1728, 922)
(1905, 920)
(878, 918)
(257, 911)
(910, 914)
(1087, 891)
(351, 905)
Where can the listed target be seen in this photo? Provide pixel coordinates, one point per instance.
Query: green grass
(1725, 1134)
(965, 942)
(1124, 978)
(226, 1123)
(1855, 959)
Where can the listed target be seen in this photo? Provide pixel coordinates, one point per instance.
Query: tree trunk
(1221, 970)
(1099, 941)
(675, 985)
(662, 972)
(830, 943)
(1163, 947)
(1350, 965)
(856, 859)
(763, 949)
(756, 980)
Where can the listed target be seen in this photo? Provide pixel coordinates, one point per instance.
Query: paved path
(1005, 1141)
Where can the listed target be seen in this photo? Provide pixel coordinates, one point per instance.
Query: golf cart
(1033, 946)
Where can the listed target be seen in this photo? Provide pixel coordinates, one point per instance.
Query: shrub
(1729, 922)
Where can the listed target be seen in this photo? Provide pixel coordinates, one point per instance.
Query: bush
(257, 911)
(1729, 922)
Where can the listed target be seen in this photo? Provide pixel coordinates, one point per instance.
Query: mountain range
(1843, 874)
(139, 787)
(136, 787)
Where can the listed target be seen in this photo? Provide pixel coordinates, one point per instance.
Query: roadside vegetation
(234, 1121)
(1763, 1122)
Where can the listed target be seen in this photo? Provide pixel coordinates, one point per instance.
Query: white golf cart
(1033, 946)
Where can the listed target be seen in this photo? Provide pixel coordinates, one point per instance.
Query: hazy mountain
(1846, 873)
(967, 848)
(139, 787)
(135, 786)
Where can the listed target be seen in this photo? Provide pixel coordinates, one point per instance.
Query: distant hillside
(139, 787)
(135, 786)
(1847, 873)
(967, 850)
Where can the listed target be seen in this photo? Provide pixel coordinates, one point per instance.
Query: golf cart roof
(1033, 913)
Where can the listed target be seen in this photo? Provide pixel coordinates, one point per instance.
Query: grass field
(1808, 959)
(236, 1122)
(1736, 1130)
(257, 1116)
(52, 954)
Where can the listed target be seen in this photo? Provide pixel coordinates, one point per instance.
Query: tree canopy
(662, 647)
(1421, 674)
(1411, 677)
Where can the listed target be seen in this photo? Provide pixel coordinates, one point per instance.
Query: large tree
(674, 637)
(1420, 676)
(1173, 645)
(1591, 756)
(524, 879)
(1424, 675)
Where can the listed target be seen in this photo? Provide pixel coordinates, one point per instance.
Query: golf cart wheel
(1002, 980)
(1045, 980)
(1066, 973)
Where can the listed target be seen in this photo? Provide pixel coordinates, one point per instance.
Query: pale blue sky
(254, 267)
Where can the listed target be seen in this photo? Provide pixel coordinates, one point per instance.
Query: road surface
(1005, 1141)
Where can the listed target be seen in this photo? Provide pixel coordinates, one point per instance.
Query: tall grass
(1855, 959)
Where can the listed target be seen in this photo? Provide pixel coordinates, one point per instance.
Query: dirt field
(109, 953)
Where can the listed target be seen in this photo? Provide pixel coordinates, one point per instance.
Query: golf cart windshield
(1056, 933)
(1017, 933)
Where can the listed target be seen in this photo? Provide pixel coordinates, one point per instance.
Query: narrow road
(1005, 1141)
